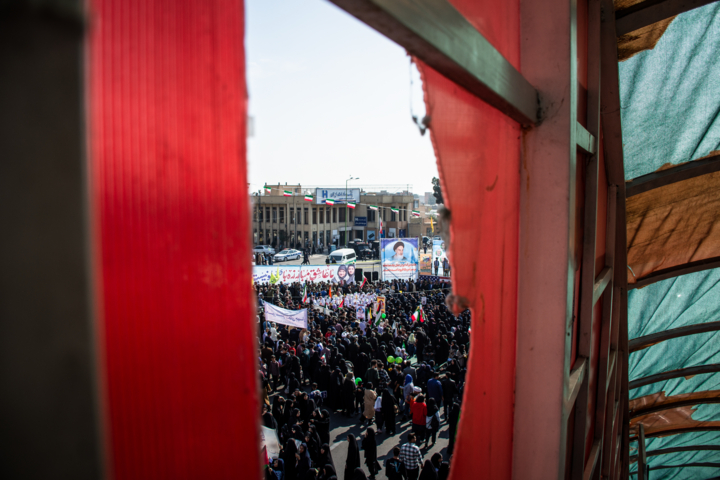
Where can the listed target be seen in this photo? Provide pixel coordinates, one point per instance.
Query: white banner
(344, 274)
(293, 318)
(269, 439)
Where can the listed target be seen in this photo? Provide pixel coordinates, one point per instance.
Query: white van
(342, 256)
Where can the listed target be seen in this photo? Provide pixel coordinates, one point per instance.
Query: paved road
(320, 260)
(341, 426)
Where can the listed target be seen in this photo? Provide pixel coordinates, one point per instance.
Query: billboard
(399, 258)
(335, 274)
(337, 194)
(439, 253)
(426, 263)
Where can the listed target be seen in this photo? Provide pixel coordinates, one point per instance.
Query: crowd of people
(394, 373)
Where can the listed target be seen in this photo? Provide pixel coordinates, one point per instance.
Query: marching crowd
(394, 371)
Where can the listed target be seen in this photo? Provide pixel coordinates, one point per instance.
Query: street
(341, 426)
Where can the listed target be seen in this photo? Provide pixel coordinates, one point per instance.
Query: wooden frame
(684, 269)
(436, 33)
(468, 59)
(666, 451)
(647, 340)
(649, 12)
(672, 175)
(680, 372)
(670, 405)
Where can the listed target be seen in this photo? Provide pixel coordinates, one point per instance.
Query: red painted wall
(170, 235)
(478, 152)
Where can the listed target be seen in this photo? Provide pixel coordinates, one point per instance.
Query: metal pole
(642, 459)
(346, 213)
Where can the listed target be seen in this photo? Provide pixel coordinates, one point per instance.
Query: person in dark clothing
(433, 422)
(303, 463)
(353, 457)
(348, 395)
(277, 470)
(288, 456)
(369, 444)
(389, 403)
(449, 389)
(428, 471)
(444, 471)
(358, 475)
(394, 468)
(325, 457)
(278, 410)
(452, 426)
(328, 473)
(293, 383)
(267, 418)
(335, 389)
(322, 422)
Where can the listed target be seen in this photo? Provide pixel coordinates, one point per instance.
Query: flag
(432, 225)
(267, 189)
(373, 207)
(351, 204)
(342, 303)
(394, 210)
(305, 296)
(419, 314)
(308, 197)
(287, 193)
(329, 291)
(329, 201)
(415, 213)
(381, 227)
(364, 282)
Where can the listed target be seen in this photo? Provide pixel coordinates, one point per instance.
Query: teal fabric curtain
(670, 95)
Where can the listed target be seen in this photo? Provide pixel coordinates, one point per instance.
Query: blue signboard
(361, 221)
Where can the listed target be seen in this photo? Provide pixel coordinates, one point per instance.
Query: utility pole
(346, 207)
(295, 220)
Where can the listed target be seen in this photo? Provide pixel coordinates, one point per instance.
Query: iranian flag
(373, 207)
(351, 204)
(419, 314)
(342, 303)
(287, 193)
(394, 210)
(381, 227)
(329, 201)
(308, 197)
(305, 296)
(267, 189)
(364, 282)
(415, 213)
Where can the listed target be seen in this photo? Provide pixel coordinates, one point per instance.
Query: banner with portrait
(439, 258)
(335, 274)
(426, 263)
(399, 258)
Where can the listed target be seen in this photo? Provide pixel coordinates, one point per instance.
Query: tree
(437, 191)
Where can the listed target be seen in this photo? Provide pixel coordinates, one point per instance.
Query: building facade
(294, 222)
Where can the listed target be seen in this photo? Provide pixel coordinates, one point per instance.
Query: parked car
(264, 249)
(287, 254)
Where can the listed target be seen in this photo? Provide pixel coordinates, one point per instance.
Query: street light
(346, 208)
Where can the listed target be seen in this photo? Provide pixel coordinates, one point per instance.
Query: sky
(331, 98)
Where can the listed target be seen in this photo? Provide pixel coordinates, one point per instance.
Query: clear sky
(330, 98)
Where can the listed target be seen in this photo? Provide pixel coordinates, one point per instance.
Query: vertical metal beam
(587, 283)
(547, 263)
(48, 405)
(642, 458)
(612, 142)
